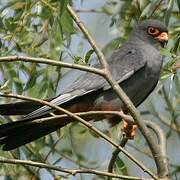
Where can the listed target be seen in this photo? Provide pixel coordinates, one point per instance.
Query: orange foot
(129, 129)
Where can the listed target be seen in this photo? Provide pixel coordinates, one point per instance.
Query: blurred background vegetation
(44, 28)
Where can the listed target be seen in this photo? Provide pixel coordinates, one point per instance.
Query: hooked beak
(163, 37)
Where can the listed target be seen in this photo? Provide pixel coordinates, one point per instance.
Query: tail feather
(14, 141)
(13, 127)
(19, 108)
(15, 134)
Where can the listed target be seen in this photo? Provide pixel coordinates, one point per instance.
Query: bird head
(152, 32)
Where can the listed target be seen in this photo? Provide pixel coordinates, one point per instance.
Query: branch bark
(68, 171)
(115, 155)
(161, 143)
(52, 63)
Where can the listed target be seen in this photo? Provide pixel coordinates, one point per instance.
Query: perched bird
(136, 66)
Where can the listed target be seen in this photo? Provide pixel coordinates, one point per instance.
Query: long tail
(19, 108)
(15, 134)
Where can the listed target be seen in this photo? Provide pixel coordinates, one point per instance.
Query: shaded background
(44, 29)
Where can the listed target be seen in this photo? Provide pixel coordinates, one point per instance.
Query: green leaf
(93, 133)
(83, 131)
(64, 4)
(56, 38)
(0, 43)
(168, 11)
(121, 167)
(81, 157)
(166, 75)
(150, 9)
(10, 24)
(166, 52)
(67, 151)
(77, 59)
(88, 55)
(7, 37)
(18, 47)
(177, 83)
(176, 46)
(66, 24)
(178, 3)
(32, 80)
(4, 87)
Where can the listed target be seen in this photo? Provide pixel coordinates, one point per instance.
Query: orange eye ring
(153, 31)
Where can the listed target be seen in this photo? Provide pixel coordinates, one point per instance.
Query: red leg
(129, 129)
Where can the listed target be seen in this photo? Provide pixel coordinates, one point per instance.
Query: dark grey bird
(136, 66)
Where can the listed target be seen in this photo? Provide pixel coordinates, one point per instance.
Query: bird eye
(153, 31)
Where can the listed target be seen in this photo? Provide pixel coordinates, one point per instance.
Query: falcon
(136, 66)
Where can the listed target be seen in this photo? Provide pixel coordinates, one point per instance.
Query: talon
(129, 129)
(133, 133)
(125, 124)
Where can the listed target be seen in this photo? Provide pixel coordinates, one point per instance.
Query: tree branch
(52, 63)
(88, 115)
(115, 155)
(161, 143)
(68, 171)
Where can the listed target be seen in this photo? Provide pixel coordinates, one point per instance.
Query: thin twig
(50, 151)
(169, 124)
(171, 110)
(141, 150)
(90, 115)
(161, 142)
(83, 10)
(52, 62)
(68, 171)
(115, 155)
(165, 120)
